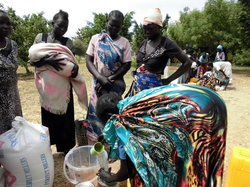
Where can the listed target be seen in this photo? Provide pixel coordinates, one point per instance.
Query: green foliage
(99, 23)
(190, 30)
(165, 25)
(218, 23)
(174, 32)
(244, 20)
(84, 34)
(134, 63)
(221, 16)
(79, 47)
(128, 22)
(242, 57)
(138, 37)
(24, 32)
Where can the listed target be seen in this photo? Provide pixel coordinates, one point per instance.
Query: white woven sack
(26, 155)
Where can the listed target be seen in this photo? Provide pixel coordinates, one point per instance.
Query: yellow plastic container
(238, 174)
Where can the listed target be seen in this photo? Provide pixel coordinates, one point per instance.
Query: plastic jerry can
(238, 174)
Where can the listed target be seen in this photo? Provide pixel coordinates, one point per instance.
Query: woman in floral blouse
(10, 105)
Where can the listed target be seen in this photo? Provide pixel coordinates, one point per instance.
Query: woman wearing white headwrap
(153, 56)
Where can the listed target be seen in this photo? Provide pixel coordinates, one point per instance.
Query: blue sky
(81, 11)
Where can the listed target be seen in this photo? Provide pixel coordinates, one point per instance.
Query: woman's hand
(121, 175)
(74, 71)
(166, 81)
(106, 175)
(103, 85)
(104, 81)
(101, 139)
(111, 78)
(53, 61)
(120, 72)
(50, 60)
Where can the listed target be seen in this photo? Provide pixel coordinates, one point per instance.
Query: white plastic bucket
(80, 166)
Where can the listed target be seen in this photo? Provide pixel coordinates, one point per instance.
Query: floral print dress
(10, 105)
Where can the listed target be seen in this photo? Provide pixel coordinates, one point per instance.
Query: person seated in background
(209, 71)
(216, 80)
(162, 136)
(208, 79)
(153, 55)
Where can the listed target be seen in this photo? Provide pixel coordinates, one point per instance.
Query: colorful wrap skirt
(174, 135)
(143, 81)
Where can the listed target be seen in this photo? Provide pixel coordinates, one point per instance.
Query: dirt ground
(236, 97)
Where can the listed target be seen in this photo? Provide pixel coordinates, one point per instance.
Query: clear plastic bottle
(103, 160)
(102, 156)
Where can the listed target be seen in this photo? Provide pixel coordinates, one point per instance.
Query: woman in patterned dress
(10, 105)
(172, 135)
(108, 60)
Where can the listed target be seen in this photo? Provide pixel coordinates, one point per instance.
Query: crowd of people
(108, 59)
(213, 73)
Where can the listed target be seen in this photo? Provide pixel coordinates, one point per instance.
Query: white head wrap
(155, 17)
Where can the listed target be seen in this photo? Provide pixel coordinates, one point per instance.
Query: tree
(127, 24)
(138, 37)
(205, 30)
(224, 26)
(84, 34)
(24, 32)
(242, 56)
(244, 20)
(93, 28)
(79, 48)
(191, 29)
(165, 25)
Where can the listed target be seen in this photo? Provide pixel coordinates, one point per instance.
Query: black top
(45, 38)
(157, 60)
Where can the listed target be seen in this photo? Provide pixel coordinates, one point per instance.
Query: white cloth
(208, 73)
(155, 17)
(54, 86)
(226, 67)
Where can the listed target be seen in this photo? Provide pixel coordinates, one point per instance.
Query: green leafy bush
(242, 57)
